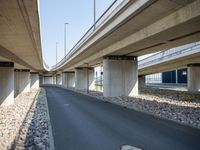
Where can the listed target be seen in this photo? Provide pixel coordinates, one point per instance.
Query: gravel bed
(24, 125)
(165, 105)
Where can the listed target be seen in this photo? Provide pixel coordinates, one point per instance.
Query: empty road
(81, 122)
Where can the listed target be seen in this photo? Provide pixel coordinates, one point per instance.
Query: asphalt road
(81, 122)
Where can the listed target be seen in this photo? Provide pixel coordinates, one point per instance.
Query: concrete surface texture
(59, 79)
(6, 83)
(194, 77)
(34, 80)
(48, 80)
(83, 122)
(22, 81)
(64, 79)
(41, 78)
(120, 76)
(71, 80)
(21, 32)
(84, 78)
(68, 79)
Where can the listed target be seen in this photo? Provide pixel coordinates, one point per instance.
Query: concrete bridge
(175, 58)
(127, 30)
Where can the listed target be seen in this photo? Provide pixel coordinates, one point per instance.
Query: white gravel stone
(24, 125)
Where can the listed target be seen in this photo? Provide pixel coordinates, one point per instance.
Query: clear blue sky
(53, 15)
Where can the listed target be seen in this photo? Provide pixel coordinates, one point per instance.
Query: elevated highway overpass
(131, 29)
(20, 48)
(128, 29)
(187, 56)
(175, 58)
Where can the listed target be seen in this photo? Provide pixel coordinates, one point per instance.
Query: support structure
(48, 79)
(6, 83)
(193, 77)
(22, 81)
(54, 79)
(59, 79)
(34, 80)
(41, 78)
(120, 76)
(84, 78)
(68, 79)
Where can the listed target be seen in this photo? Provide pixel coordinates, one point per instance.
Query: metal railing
(169, 54)
(116, 5)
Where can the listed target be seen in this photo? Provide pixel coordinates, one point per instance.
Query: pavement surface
(80, 122)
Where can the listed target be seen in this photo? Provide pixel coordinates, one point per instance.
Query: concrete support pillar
(34, 80)
(64, 79)
(22, 81)
(59, 79)
(68, 80)
(142, 81)
(54, 79)
(48, 79)
(6, 83)
(41, 78)
(84, 78)
(193, 77)
(120, 76)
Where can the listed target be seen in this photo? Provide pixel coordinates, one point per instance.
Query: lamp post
(65, 38)
(94, 14)
(56, 53)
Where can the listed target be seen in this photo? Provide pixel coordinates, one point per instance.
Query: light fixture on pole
(65, 38)
(56, 53)
(94, 14)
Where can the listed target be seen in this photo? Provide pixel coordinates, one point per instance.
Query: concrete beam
(193, 77)
(120, 76)
(6, 83)
(177, 28)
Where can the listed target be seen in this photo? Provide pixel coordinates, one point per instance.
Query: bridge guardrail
(116, 5)
(161, 56)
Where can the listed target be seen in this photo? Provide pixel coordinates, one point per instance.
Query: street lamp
(56, 53)
(94, 14)
(65, 38)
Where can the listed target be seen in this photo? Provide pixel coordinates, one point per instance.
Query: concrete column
(22, 81)
(71, 79)
(58, 79)
(120, 76)
(6, 83)
(84, 78)
(193, 77)
(64, 79)
(54, 79)
(41, 79)
(48, 79)
(68, 80)
(142, 81)
(34, 80)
